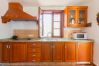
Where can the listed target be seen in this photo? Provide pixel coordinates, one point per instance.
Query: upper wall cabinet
(76, 16)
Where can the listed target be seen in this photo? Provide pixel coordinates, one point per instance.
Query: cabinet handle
(65, 46)
(7, 46)
(33, 60)
(33, 44)
(53, 46)
(34, 50)
(78, 45)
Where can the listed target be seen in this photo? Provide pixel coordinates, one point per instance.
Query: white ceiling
(48, 2)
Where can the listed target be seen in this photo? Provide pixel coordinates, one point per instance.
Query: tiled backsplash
(26, 33)
(68, 32)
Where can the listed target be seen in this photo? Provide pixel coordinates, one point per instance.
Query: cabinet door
(0, 52)
(46, 51)
(58, 51)
(6, 52)
(85, 50)
(82, 16)
(71, 16)
(70, 51)
(19, 51)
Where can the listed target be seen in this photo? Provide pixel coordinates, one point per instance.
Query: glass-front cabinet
(76, 16)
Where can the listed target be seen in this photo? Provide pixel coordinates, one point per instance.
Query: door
(71, 16)
(85, 51)
(46, 51)
(19, 51)
(6, 52)
(58, 51)
(82, 15)
(70, 51)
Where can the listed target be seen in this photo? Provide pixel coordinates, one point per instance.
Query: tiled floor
(44, 64)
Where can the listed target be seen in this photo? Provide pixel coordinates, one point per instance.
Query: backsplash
(22, 33)
(69, 31)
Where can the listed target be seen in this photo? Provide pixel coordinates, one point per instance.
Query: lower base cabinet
(58, 51)
(46, 52)
(85, 52)
(70, 51)
(14, 52)
(33, 51)
(19, 51)
(6, 52)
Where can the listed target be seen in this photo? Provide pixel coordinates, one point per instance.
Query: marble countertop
(45, 40)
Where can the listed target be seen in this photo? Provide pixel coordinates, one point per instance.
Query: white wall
(93, 31)
(6, 30)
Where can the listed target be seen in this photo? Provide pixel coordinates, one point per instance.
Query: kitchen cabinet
(6, 52)
(0, 51)
(84, 51)
(70, 51)
(19, 51)
(14, 52)
(52, 51)
(34, 52)
(46, 51)
(58, 51)
(76, 16)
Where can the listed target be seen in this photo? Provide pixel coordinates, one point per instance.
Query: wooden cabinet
(34, 52)
(19, 51)
(46, 51)
(76, 16)
(52, 51)
(58, 51)
(84, 51)
(14, 52)
(70, 51)
(0, 52)
(6, 52)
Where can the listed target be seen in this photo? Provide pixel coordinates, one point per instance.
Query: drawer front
(32, 45)
(34, 50)
(34, 60)
(34, 55)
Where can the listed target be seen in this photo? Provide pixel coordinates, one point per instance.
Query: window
(51, 23)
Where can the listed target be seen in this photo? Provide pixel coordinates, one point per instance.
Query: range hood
(15, 12)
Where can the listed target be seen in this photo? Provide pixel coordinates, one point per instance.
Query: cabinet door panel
(46, 51)
(85, 51)
(6, 52)
(19, 52)
(58, 51)
(70, 51)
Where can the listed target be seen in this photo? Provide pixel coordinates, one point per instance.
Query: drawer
(34, 50)
(34, 60)
(34, 55)
(32, 45)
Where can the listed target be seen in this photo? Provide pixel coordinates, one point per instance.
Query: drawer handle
(33, 44)
(33, 60)
(34, 50)
(33, 55)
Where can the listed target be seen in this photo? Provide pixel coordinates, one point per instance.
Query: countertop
(45, 40)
